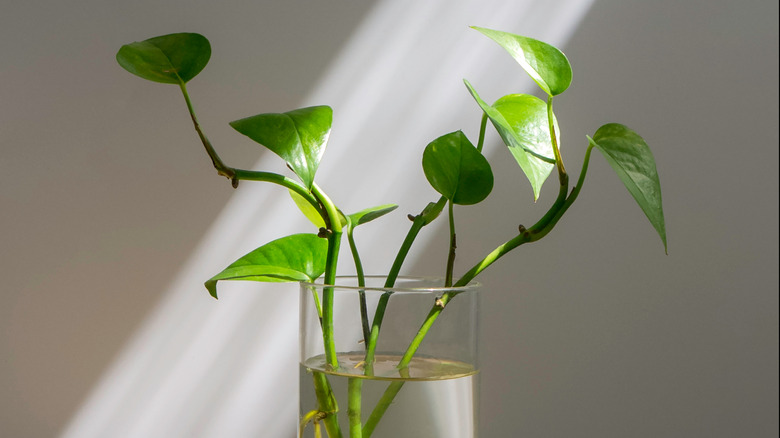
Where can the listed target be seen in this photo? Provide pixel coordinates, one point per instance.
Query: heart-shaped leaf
(457, 170)
(521, 121)
(369, 214)
(170, 59)
(632, 160)
(299, 257)
(298, 136)
(546, 65)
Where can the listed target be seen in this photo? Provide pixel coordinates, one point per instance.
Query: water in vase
(439, 398)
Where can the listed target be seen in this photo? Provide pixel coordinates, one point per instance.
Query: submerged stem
(381, 407)
(354, 386)
(327, 404)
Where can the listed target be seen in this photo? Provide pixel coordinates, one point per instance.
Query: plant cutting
(360, 354)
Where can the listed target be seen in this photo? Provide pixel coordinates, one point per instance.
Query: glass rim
(319, 283)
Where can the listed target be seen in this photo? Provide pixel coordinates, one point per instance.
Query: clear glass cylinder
(418, 377)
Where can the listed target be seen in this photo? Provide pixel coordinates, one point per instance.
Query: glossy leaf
(369, 214)
(299, 137)
(546, 65)
(169, 59)
(308, 210)
(521, 121)
(311, 213)
(299, 257)
(457, 170)
(632, 160)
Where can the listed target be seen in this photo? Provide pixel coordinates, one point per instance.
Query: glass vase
(388, 362)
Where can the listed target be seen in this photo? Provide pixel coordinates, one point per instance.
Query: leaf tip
(211, 286)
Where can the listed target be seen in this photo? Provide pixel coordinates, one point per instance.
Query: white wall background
(103, 197)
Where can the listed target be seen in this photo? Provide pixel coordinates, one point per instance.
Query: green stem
(442, 301)
(563, 177)
(500, 251)
(218, 164)
(535, 233)
(325, 392)
(451, 256)
(318, 199)
(482, 127)
(236, 175)
(553, 138)
(543, 231)
(327, 404)
(354, 386)
(327, 304)
(429, 213)
(381, 407)
(334, 242)
(310, 417)
(581, 180)
(361, 278)
(275, 178)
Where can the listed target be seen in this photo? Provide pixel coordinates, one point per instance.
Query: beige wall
(625, 342)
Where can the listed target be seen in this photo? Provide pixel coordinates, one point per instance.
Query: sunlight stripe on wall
(229, 368)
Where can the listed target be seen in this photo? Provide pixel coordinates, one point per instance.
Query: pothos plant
(453, 165)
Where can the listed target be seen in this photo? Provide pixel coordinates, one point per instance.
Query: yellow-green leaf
(308, 210)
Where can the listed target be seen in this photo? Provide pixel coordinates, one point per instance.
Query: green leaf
(299, 257)
(369, 214)
(433, 210)
(170, 59)
(457, 170)
(298, 136)
(521, 121)
(311, 213)
(632, 160)
(308, 210)
(546, 65)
